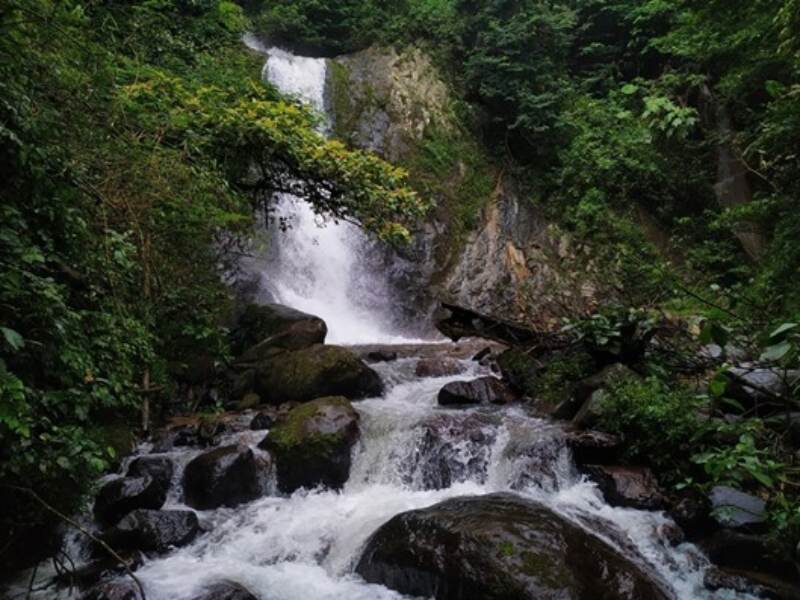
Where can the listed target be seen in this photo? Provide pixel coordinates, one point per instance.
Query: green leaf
(782, 330)
(776, 352)
(718, 385)
(13, 338)
(629, 89)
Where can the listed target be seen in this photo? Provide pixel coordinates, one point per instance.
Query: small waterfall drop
(317, 265)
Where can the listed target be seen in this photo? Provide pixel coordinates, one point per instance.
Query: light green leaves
(12, 338)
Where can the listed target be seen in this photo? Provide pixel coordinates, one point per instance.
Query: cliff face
(485, 246)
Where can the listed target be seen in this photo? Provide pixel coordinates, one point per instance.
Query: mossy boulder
(500, 547)
(226, 476)
(264, 330)
(315, 372)
(311, 445)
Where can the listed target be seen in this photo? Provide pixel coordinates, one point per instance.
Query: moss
(340, 98)
(506, 549)
(293, 431)
(551, 572)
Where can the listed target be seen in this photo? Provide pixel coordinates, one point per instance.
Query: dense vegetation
(136, 143)
(663, 134)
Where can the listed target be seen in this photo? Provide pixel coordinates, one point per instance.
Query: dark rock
(589, 394)
(262, 420)
(311, 446)
(486, 352)
(593, 446)
(160, 468)
(381, 356)
(225, 590)
(226, 476)
(124, 494)
(691, 512)
(116, 589)
(267, 329)
(316, 372)
(153, 530)
(438, 366)
(734, 509)
(249, 400)
(671, 533)
(718, 579)
(457, 322)
(519, 369)
(242, 384)
(749, 552)
(633, 487)
(485, 390)
(95, 570)
(499, 547)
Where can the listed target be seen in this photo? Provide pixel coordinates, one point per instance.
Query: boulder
(311, 445)
(730, 549)
(160, 468)
(734, 509)
(153, 530)
(264, 330)
(114, 589)
(105, 566)
(761, 390)
(438, 366)
(226, 476)
(262, 420)
(593, 446)
(499, 547)
(718, 579)
(120, 496)
(381, 356)
(485, 390)
(316, 372)
(632, 487)
(225, 590)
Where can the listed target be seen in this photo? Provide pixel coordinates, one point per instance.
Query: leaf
(629, 89)
(718, 385)
(776, 352)
(13, 338)
(762, 478)
(782, 329)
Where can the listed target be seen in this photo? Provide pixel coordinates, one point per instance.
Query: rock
(120, 496)
(267, 329)
(311, 446)
(225, 590)
(262, 420)
(160, 468)
(438, 366)
(760, 390)
(736, 510)
(632, 487)
(153, 530)
(457, 321)
(115, 589)
(242, 384)
(749, 552)
(105, 566)
(249, 400)
(226, 476)
(593, 446)
(316, 372)
(671, 533)
(520, 370)
(498, 547)
(589, 394)
(485, 390)
(480, 356)
(717, 579)
(691, 513)
(381, 356)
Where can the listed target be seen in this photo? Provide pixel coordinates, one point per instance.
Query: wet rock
(483, 354)
(499, 547)
(720, 579)
(590, 391)
(691, 512)
(160, 468)
(749, 552)
(760, 390)
(262, 420)
(226, 476)
(671, 533)
(381, 356)
(485, 390)
(105, 566)
(153, 530)
(225, 590)
(734, 509)
(264, 330)
(116, 589)
(593, 446)
(311, 446)
(632, 487)
(120, 496)
(316, 372)
(438, 366)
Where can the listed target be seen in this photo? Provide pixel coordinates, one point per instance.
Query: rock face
(485, 390)
(316, 372)
(737, 510)
(225, 590)
(311, 446)
(498, 547)
(264, 330)
(153, 530)
(226, 476)
(124, 494)
(633, 487)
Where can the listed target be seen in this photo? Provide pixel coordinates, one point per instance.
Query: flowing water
(411, 454)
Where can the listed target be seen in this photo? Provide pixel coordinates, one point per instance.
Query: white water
(316, 266)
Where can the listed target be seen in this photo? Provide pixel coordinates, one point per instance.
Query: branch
(80, 528)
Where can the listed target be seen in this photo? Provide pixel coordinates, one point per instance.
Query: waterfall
(313, 264)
